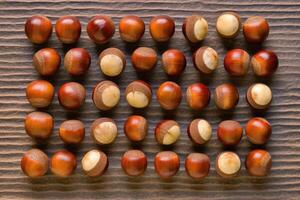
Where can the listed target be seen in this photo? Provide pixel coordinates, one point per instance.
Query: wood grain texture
(16, 71)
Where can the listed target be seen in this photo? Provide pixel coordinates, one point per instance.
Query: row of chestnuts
(35, 163)
(101, 28)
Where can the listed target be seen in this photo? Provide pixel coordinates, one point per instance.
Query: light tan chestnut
(206, 60)
(104, 130)
(167, 132)
(94, 163)
(112, 62)
(199, 131)
(228, 25)
(228, 164)
(138, 94)
(195, 28)
(259, 96)
(106, 95)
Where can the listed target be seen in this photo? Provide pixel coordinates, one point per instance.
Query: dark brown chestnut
(256, 29)
(169, 95)
(258, 130)
(40, 93)
(63, 163)
(46, 61)
(197, 165)
(264, 63)
(71, 95)
(38, 29)
(174, 62)
(162, 28)
(197, 96)
(72, 131)
(134, 162)
(258, 162)
(100, 29)
(136, 128)
(144, 59)
(131, 28)
(236, 62)
(226, 96)
(68, 29)
(34, 163)
(77, 61)
(230, 132)
(166, 164)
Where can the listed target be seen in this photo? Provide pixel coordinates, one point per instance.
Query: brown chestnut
(206, 60)
(173, 62)
(199, 131)
(226, 96)
(167, 132)
(195, 28)
(131, 28)
(230, 132)
(112, 62)
(264, 63)
(228, 25)
(40, 93)
(68, 29)
(136, 128)
(197, 96)
(94, 163)
(166, 164)
(134, 162)
(256, 29)
(138, 94)
(258, 162)
(197, 165)
(144, 59)
(77, 61)
(46, 61)
(169, 95)
(259, 96)
(161, 28)
(106, 95)
(104, 131)
(63, 163)
(39, 125)
(228, 164)
(71, 95)
(236, 62)
(72, 131)
(38, 29)
(258, 130)
(100, 29)
(34, 163)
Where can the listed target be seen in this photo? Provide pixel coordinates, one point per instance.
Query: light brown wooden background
(16, 72)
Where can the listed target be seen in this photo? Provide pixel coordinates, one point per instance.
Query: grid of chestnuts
(106, 95)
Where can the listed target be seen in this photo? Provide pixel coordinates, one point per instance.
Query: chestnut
(63, 163)
(72, 131)
(206, 60)
(100, 29)
(197, 96)
(94, 163)
(228, 164)
(199, 131)
(228, 25)
(256, 29)
(230, 132)
(259, 96)
(38, 29)
(46, 61)
(34, 163)
(138, 94)
(134, 162)
(258, 130)
(136, 128)
(194, 28)
(258, 162)
(106, 95)
(131, 28)
(169, 95)
(161, 28)
(226, 96)
(173, 62)
(197, 165)
(40, 93)
(264, 63)
(39, 125)
(77, 61)
(166, 164)
(104, 131)
(112, 62)
(167, 132)
(236, 62)
(71, 95)
(144, 59)
(68, 29)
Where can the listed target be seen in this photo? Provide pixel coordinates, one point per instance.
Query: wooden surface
(16, 72)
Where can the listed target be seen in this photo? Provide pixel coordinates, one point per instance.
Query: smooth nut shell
(131, 28)
(264, 63)
(166, 164)
(228, 164)
(144, 59)
(173, 62)
(134, 162)
(104, 131)
(68, 29)
(138, 94)
(112, 62)
(230, 132)
(259, 96)
(46, 61)
(169, 95)
(199, 131)
(72, 131)
(136, 128)
(226, 96)
(237, 62)
(256, 29)
(258, 162)
(38, 29)
(195, 28)
(106, 95)
(63, 163)
(197, 165)
(167, 132)
(206, 60)
(258, 130)
(34, 163)
(77, 61)
(40, 93)
(228, 25)
(161, 28)
(94, 163)
(71, 95)
(100, 29)
(197, 96)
